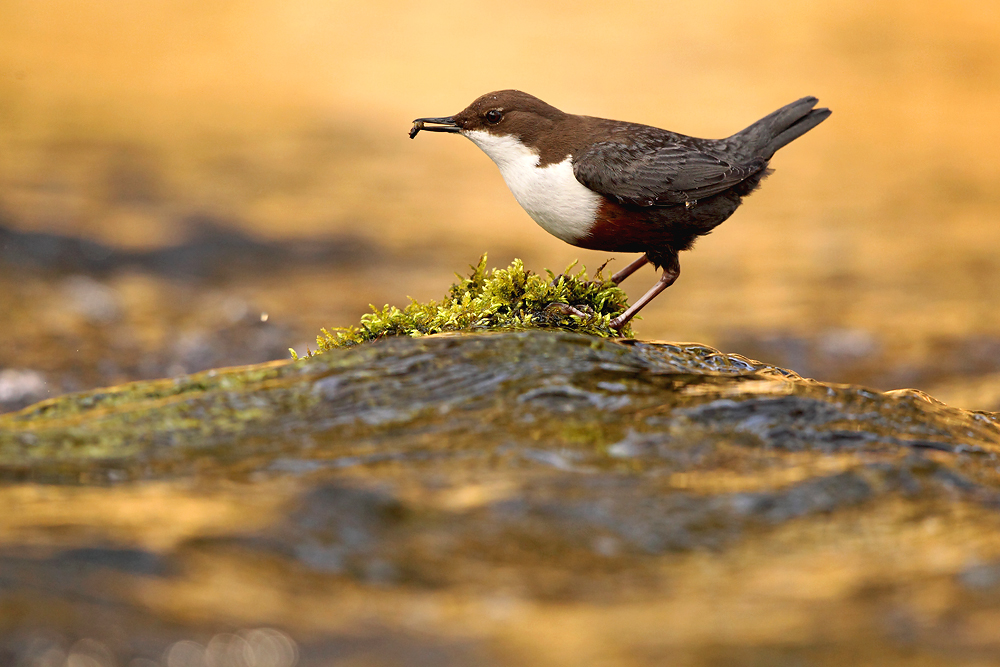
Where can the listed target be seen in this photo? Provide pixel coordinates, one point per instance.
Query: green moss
(511, 299)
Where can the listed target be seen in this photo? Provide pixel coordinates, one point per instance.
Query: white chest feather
(551, 195)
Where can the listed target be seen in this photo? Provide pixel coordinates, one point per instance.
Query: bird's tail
(774, 131)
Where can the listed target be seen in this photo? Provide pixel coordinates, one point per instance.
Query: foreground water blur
(259, 647)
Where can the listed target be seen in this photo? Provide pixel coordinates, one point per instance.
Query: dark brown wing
(657, 167)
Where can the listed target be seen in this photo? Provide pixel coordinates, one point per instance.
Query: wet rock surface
(532, 498)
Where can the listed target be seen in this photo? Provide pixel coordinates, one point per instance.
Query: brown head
(504, 112)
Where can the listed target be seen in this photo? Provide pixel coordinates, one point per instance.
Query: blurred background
(186, 185)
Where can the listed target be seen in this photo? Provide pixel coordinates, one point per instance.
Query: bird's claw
(567, 309)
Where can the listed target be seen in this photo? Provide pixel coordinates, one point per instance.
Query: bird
(617, 186)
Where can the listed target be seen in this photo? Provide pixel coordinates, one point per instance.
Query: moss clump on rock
(510, 299)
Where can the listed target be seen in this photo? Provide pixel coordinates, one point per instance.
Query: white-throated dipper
(622, 187)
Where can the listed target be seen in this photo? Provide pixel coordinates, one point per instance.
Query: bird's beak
(439, 125)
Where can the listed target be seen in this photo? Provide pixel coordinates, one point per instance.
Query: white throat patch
(551, 195)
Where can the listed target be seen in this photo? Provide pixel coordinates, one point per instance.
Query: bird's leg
(629, 270)
(670, 273)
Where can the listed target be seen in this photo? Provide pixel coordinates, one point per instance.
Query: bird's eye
(494, 116)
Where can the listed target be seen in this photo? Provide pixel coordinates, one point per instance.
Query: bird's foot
(567, 309)
(618, 323)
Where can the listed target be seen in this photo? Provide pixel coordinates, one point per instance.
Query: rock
(529, 498)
